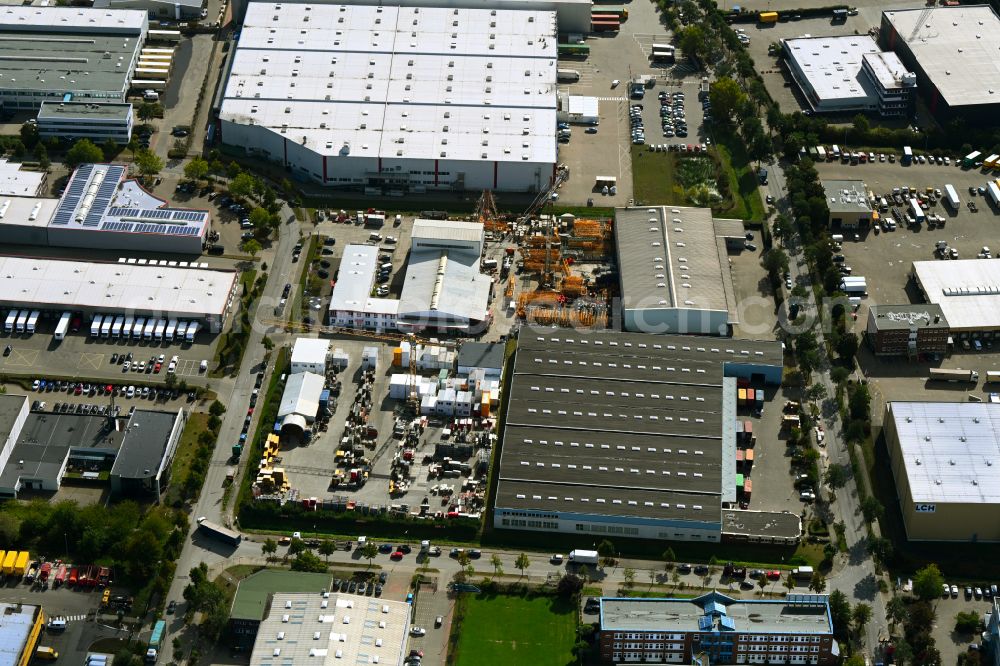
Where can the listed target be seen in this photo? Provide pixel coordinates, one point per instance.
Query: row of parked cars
(977, 592)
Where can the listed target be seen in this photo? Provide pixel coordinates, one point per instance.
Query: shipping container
(573, 50)
(993, 376)
(229, 536)
(768, 17)
(605, 26)
(760, 396)
(994, 192)
(63, 326)
(617, 12)
(742, 396)
(991, 161)
(956, 375)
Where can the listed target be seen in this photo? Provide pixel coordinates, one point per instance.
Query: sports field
(501, 629)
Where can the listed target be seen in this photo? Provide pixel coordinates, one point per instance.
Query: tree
(149, 163)
(522, 562)
(369, 551)
(83, 152)
(110, 149)
(855, 660)
(267, 342)
(629, 575)
(675, 578)
(880, 549)
(895, 610)
(296, 546)
(29, 134)
(569, 586)
(42, 155)
(668, 558)
(862, 613)
(652, 576)
(775, 261)
(927, 583)
(847, 345)
(148, 111)
(606, 550)
(818, 583)
(967, 622)
(872, 508)
(251, 247)
(762, 583)
(260, 218)
(464, 558)
(840, 613)
(216, 408)
(133, 146)
(816, 392)
(727, 97)
(836, 476)
(789, 582)
(269, 548)
(196, 169)
(691, 41)
(497, 564)
(308, 561)
(241, 186)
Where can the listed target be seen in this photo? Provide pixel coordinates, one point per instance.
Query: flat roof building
(328, 629)
(20, 627)
(966, 290)
(96, 55)
(943, 457)
(92, 288)
(134, 451)
(16, 181)
(252, 601)
(907, 330)
(485, 356)
(85, 120)
(393, 99)
(309, 355)
(178, 10)
(624, 434)
(794, 630)
(674, 269)
(950, 50)
(848, 203)
(850, 73)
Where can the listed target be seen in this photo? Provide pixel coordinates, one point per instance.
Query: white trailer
(994, 192)
(161, 325)
(192, 329)
(952, 196)
(140, 323)
(147, 331)
(106, 326)
(181, 331)
(171, 330)
(22, 320)
(11, 321)
(95, 326)
(916, 211)
(116, 328)
(32, 322)
(127, 327)
(63, 326)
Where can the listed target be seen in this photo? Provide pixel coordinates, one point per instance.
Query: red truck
(43, 573)
(60, 575)
(104, 576)
(74, 575)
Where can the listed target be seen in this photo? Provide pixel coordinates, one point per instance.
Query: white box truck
(994, 192)
(116, 328)
(127, 327)
(106, 326)
(147, 330)
(584, 557)
(63, 326)
(171, 330)
(95, 325)
(181, 330)
(22, 320)
(32, 322)
(951, 196)
(140, 324)
(161, 325)
(11, 321)
(191, 331)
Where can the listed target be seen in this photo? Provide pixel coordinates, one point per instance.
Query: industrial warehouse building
(793, 630)
(20, 631)
(58, 54)
(674, 269)
(850, 73)
(574, 15)
(300, 404)
(102, 209)
(43, 449)
(953, 52)
(848, 203)
(617, 434)
(83, 120)
(443, 289)
(329, 629)
(391, 100)
(128, 289)
(967, 292)
(309, 355)
(907, 330)
(255, 593)
(944, 461)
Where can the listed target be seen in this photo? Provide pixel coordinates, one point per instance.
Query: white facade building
(309, 355)
(83, 120)
(395, 99)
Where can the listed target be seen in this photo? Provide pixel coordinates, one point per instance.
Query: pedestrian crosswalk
(610, 99)
(71, 618)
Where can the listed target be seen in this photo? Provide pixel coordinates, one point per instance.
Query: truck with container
(116, 328)
(95, 325)
(994, 193)
(567, 75)
(583, 557)
(971, 159)
(161, 326)
(951, 196)
(22, 320)
(803, 573)
(10, 322)
(907, 156)
(22, 564)
(856, 285)
(62, 328)
(991, 162)
(106, 326)
(155, 641)
(192, 330)
(217, 531)
(32, 322)
(956, 375)
(664, 53)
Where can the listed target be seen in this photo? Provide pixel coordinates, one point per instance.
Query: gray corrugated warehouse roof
(481, 355)
(10, 408)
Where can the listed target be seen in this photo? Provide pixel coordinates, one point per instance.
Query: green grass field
(502, 629)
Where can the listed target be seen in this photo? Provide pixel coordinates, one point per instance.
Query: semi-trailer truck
(567, 75)
(63, 326)
(225, 534)
(155, 641)
(951, 196)
(584, 557)
(956, 375)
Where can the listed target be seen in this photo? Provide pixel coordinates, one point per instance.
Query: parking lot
(950, 642)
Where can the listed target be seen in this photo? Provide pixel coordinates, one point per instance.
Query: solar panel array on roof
(190, 215)
(156, 214)
(117, 226)
(104, 195)
(72, 196)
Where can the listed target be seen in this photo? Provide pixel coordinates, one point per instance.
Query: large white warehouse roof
(410, 82)
(968, 291)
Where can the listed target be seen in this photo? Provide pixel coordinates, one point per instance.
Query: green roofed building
(254, 594)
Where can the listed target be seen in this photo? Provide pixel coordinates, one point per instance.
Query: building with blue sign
(793, 630)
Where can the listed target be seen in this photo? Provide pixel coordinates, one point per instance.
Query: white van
(150, 96)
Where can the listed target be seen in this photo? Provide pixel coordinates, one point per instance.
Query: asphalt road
(856, 577)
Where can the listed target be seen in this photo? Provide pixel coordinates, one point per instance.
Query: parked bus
(32, 322)
(63, 326)
(95, 325)
(22, 320)
(11, 321)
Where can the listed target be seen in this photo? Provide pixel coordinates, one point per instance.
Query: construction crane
(486, 213)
